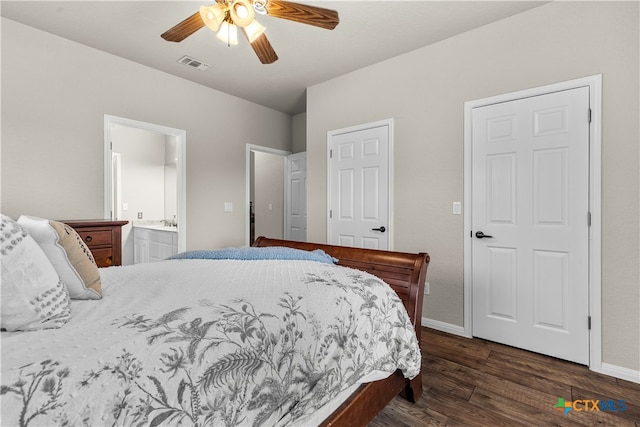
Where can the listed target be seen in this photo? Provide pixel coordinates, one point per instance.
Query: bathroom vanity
(154, 242)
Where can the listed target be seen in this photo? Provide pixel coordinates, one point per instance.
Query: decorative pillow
(33, 297)
(68, 254)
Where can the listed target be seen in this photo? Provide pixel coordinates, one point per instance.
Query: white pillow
(68, 254)
(33, 297)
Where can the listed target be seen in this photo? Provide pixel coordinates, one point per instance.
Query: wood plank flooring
(473, 382)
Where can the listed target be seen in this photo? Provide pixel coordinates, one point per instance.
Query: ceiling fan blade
(184, 29)
(305, 14)
(263, 49)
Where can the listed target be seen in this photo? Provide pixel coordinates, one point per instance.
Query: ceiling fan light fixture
(228, 33)
(241, 12)
(224, 17)
(253, 31)
(212, 16)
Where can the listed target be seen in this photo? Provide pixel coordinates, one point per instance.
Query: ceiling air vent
(195, 63)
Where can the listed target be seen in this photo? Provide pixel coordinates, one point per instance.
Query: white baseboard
(444, 327)
(620, 372)
(606, 368)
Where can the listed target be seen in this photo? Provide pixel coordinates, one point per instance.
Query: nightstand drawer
(96, 237)
(103, 256)
(103, 237)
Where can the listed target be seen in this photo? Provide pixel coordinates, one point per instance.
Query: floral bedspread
(208, 343)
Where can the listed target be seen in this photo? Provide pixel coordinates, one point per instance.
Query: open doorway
(265, 192)
(144, 178)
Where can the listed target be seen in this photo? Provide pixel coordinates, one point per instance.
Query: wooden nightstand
(103, 237)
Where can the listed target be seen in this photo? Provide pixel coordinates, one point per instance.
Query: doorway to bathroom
(144, 179)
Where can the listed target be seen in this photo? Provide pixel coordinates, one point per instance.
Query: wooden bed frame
(406, 273)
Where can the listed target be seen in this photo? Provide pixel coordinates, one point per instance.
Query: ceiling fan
(225, 16)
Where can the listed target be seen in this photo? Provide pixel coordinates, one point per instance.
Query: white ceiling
(369, 32)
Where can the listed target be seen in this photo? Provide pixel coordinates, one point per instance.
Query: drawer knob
(88, 239)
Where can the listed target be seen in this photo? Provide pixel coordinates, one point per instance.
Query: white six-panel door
(530, 200)
(359, 174)
(296, 197)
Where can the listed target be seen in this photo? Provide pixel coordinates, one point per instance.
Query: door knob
(380, 229)
(481, 235)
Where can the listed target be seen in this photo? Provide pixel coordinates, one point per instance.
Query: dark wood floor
(473, 382)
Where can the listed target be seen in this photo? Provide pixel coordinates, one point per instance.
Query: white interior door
(530, 199)
(359, 186)
(296, 197)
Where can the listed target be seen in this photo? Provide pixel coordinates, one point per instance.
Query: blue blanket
(271, 252)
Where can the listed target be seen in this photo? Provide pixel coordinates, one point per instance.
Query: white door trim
(333, 133)
(116, 169)
(595, 171)
(247, 181)
(181, 168)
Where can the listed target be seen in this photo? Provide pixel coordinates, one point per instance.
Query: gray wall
(299, 133)
(55, 94)
(424, 91)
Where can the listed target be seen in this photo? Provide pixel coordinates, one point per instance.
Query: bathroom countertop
(156, 226)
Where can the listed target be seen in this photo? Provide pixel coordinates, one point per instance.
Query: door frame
(247, 181)
(356, 128)
(181, 168)
(595, 230)
(116, 175)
